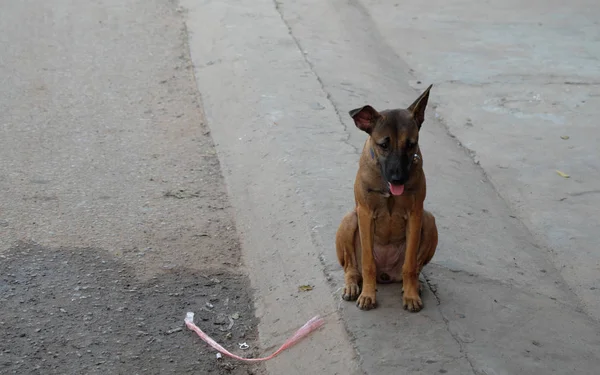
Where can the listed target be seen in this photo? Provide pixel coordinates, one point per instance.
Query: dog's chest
(390, 227)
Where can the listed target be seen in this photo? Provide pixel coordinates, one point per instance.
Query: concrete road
(279, 78)
(518, 86)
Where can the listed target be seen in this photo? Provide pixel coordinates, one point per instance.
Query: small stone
(221, 319)
(317, 106)
(178, 329)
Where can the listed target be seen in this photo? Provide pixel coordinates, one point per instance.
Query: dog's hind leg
(347, 248)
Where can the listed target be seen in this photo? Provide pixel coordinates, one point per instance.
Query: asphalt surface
(114, 217)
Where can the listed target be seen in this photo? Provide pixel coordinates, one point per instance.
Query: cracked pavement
(519, 90)
(498, 300)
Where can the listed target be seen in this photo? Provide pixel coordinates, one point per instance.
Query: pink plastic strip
(307, 328)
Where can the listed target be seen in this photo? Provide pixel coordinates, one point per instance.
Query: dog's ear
(417, 109)
(365, 118)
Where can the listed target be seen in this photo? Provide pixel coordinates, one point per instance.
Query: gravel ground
(81, 311)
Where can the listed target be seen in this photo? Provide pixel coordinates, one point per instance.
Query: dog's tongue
(396, 189)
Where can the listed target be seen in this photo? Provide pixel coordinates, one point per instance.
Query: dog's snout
(396, 169)
(397, 179)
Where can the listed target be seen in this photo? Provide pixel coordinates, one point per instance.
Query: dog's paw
(412, 303)
(351, 292)
(366, 301)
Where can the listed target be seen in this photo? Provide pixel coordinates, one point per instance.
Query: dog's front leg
(410, 273)
(366, 228)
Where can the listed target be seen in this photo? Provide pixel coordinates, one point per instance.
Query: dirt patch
(82, 311)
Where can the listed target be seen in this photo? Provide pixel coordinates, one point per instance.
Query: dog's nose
(397, 179)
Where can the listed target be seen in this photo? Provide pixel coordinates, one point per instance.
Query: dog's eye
(384, 145)
(410, 144)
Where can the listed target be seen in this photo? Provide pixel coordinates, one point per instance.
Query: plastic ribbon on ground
(306, 329)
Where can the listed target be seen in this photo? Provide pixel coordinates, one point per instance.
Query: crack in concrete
(328, 95)
(524, 80)
(345, 140)
(460, 344)
(579, 194)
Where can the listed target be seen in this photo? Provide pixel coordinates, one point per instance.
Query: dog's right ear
(417, 109)
(365, 118)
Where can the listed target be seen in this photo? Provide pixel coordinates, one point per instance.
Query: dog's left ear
(365, 118)
(417, 109)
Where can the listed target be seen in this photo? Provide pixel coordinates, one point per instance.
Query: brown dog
(388, 236)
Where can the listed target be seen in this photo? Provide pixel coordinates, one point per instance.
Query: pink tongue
(396, 189)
